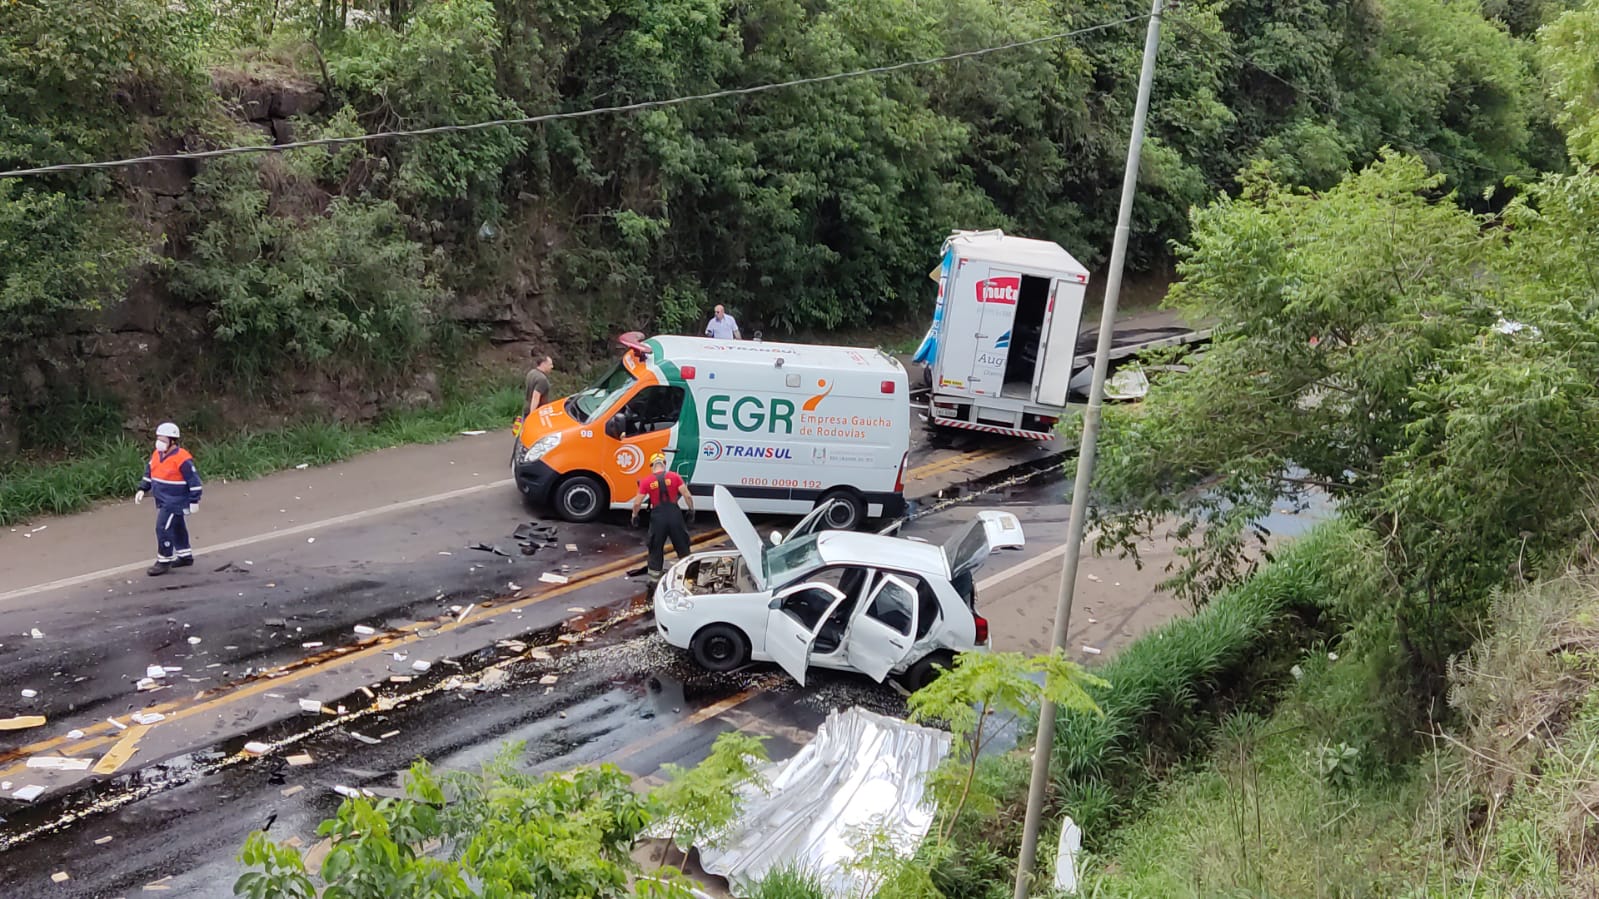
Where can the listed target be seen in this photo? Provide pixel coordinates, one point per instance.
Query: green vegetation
(814, 207)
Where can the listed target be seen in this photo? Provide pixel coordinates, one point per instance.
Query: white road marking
(270, 535)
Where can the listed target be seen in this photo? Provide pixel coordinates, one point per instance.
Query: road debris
(365, 630)
(314, 706)
(370, 741)
(276, 622)
(312, 644)
(155, 671)
(290, 791)
(473, 433)
(420, 667)
(302, 466)
(299, 760)
(552, 578)
(116, 724)
(58, 763)
(36, 634)
(147, 717)
(60, 877)
(29, 694)
(548, 679)
(465, 612)
(28, 793)
(1091, 650)
(103, 840)
(391, 734)
(255, 747)
(353, 792)
(194, 641)
(571, 547)
(484, 547)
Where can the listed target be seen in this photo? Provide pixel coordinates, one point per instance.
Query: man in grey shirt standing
(721, 326)
(538, 386)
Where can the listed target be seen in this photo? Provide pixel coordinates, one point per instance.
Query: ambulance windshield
(586, 404)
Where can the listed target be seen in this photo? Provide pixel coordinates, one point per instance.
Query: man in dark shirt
(538, 386)
(663, 489)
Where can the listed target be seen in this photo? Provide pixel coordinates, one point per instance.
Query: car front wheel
(720, 647)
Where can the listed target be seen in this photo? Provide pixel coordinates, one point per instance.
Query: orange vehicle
(782, 426)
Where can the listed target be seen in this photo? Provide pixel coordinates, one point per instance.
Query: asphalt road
(622, 696)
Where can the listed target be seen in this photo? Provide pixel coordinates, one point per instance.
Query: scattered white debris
(390, 734)
(103, 840)
(255, 747)
(473, 433)
(577, 609)
(147, 717)
(548, 679)
(1297, 672)
(420, 666)
(58, 763)
(370, 741)
(552, 578)
(1071, 843)
(28, 793)
(313, 644)
(365, 630)
(116, 724)
(74, 734)
(351, 792)
(465, 612)
(1093, 577)
(36, 634)
(310, 539)
(155, 671)
(300, 760)
(571, 547)
(444, 553)
(314, 706)
(60, 877)
(1091, 650)
(29, 694)
(194, 641)
(1332, 656)
(302, 465)
(290, 791)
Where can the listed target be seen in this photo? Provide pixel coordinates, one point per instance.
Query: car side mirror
(775, 604)
(777, 537)
(613, 427)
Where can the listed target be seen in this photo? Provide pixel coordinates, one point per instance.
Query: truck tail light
(899, 479)
(886, 387)
(687, 371)
(982, 629)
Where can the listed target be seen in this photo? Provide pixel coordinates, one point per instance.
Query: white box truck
(782, 426)
(1003, 345)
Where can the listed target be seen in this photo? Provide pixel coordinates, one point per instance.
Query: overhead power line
(577, 114)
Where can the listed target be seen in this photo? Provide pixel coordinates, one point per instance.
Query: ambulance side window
(651, 409)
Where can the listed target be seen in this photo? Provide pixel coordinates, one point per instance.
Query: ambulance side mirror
(613, 427)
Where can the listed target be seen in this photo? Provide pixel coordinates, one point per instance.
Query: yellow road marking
(102, 733)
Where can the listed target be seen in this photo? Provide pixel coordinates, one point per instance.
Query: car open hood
(737, 525)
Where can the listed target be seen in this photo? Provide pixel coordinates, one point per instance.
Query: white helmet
(168, 429)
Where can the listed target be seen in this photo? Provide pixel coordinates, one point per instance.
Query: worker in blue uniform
(171, 476)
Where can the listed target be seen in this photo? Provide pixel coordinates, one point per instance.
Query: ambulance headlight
(540, 447)
(676, 599)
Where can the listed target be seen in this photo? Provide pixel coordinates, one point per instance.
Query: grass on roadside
(30, 489)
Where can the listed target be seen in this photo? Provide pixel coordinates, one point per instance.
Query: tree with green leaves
(698, 803)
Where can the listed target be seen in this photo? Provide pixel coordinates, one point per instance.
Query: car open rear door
(884, 628)
(791, 628)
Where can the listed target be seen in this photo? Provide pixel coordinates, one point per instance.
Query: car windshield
(788, 560)
(584, 405)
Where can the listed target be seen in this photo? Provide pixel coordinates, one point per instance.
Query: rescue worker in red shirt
(663, 489)
(171, 476)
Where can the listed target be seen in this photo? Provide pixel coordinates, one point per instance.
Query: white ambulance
(781, 426)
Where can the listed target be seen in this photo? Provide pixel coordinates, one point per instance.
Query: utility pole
(1044, 746)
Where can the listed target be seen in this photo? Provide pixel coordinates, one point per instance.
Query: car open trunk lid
(971, 546)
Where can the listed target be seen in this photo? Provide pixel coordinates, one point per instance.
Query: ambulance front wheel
(847, 512)
(579, 498)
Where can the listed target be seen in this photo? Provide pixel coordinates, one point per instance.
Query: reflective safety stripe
(165, 481)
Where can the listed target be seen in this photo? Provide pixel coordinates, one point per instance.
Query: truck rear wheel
(579, 498)
(847, 513)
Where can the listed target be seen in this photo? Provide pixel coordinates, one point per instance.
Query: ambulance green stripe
(688, 424)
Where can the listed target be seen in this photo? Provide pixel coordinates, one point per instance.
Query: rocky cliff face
(142, 349)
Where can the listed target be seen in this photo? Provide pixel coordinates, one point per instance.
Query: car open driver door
(793, 620)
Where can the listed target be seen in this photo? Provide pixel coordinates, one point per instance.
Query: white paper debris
(257, 748)
(302, 466)
(28, 793)
(365, 630)
(1093, 577)
(29, 694)
(117, 724)
(1091, 650)
(58, 763)
(194, 641)
(1071, 842)
(74, 734)
(473, 433)
(548, 679)
(552, 578)
(420, 666)
(147, 717)
(155, 671)
(310, 539)
(311, 705)
(313, 644)
(36, 634)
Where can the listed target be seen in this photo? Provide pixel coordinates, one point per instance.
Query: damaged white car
(831, 599)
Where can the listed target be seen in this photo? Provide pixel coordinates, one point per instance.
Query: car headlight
(676, 600)
(540, 447)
